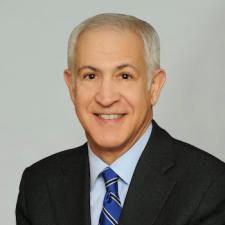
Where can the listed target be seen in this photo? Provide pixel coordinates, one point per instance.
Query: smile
(110, 116)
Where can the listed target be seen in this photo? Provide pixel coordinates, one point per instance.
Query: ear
(68, 77)
(157, 82)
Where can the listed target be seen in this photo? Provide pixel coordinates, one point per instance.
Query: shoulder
(195, 160)
(52, 166)
(191, 161)
(195, 166)
(199, 175)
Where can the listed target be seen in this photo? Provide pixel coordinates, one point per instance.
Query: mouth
(109, 116)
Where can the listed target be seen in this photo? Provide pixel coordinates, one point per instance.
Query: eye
(126, 76)
(90, 76)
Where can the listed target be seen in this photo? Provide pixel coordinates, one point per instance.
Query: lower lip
(108, 121)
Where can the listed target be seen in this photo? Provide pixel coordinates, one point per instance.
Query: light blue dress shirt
(124, 166)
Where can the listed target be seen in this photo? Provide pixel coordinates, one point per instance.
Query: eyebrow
(86, 67)
(96, 69)
(127, 65)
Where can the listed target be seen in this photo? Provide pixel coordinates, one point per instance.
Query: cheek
(138, 99)
(83, 97)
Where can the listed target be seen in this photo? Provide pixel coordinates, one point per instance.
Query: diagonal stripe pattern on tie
(111, 204)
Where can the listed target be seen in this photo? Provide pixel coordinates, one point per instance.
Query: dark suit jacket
(174, 183)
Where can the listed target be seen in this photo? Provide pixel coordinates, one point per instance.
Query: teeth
(110, 116)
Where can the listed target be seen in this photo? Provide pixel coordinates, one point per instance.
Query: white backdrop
(36, 116)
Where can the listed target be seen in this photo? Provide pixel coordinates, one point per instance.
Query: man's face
(110, 92)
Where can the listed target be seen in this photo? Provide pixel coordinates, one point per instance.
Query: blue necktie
(111, 204)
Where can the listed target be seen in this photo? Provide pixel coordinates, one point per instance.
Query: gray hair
(143, 29)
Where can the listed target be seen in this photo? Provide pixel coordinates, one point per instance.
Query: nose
(107, 93)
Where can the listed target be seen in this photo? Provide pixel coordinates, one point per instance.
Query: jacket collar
(152, 181)
(70, 192)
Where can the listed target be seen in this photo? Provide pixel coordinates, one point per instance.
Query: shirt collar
(96, 166)
(125, 165)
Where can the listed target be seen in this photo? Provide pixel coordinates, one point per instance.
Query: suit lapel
(70, 192)
(152, 181)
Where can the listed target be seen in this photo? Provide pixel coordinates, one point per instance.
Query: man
(130, 171)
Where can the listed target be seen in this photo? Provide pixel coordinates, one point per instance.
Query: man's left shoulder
(189, 159)
(195, 161)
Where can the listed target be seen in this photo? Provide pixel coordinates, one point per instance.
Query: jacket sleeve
(22, 215)
(211, 209)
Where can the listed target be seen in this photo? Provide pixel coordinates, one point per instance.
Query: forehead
(109, 45)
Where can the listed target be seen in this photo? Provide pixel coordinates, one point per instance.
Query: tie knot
(110, 178)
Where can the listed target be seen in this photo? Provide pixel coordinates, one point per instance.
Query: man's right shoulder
(52, 166)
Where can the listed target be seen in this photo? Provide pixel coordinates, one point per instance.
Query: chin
(109, 142)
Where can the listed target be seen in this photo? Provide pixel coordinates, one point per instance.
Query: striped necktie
(111, 204)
